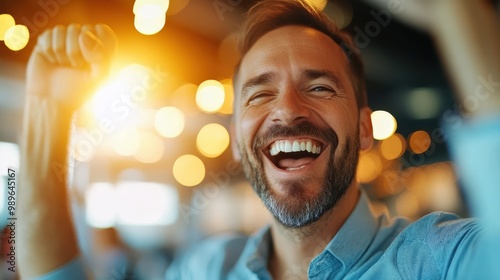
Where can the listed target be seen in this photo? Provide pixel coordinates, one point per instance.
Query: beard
(299, 207)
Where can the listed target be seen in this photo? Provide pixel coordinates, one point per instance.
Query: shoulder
(211, 258)
(430, 243)
(441, 225)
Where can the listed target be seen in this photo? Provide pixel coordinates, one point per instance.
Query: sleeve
(475, 148)
(74, 270)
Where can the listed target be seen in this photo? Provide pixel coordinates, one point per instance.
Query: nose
(290, 108)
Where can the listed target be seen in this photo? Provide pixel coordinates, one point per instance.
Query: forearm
(468, 38)
(46, 236)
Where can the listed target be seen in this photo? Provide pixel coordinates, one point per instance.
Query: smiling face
(297, 124)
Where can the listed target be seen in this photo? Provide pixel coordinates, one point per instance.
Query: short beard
(299, 209)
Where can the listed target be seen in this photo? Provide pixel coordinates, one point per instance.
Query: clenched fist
(68, 62)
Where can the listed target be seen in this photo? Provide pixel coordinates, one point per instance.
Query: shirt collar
(355, 235)
(261, 245)
(360, 227)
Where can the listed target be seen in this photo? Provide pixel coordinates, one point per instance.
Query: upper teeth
(288, 146)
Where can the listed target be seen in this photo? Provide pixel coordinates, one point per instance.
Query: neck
(294, 248)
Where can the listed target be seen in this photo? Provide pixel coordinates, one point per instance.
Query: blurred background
(152, 167)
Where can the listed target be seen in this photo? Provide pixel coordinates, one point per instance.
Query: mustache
(304, 128)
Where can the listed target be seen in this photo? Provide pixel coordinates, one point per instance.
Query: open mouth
(294, 154)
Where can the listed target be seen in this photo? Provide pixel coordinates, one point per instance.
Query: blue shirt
(369, 246)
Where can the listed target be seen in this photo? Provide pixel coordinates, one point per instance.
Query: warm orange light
(17, 37)
(393, 147)
(369, 167)
(126, 142)
(151, 148)
(419, 141)
(169, 122)
(407, 204)
(227, 107)
(150, 15)
(212, 140)
(384, 124)
(6, 22)
(210, 96)
(320, 4)
(189, 170)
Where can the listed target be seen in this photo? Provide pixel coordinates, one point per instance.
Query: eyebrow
(262, 79)
(308, 74)
(311, 74)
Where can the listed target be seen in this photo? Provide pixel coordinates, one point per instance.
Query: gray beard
(297, 209)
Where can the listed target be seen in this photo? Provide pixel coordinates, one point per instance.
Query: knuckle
(74, 26)
(73, 53)
(58, 48)
(59, 27)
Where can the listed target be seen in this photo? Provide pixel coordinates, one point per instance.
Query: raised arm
(67, 63)
(467, 34)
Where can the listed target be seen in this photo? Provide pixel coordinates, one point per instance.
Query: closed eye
(322, 91)
(259, 98)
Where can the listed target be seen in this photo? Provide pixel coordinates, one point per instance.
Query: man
(300, 120)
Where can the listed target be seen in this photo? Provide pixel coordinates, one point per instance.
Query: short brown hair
(268, 15)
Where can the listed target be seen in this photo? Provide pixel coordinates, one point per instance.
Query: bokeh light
(384, 124)
(227, 107)
(17, 37)
(10, 157)
(107, 103)
(133, 75)
(146, 204)
(117, 99)
(321, 4)
(151, 148)
(150, 15)
(393, 147)
(423, 103)
(340, 12)
(100, 205)
(210, 96)
(169, 122)
(369, 167)
(6, 22)
(419, 142)
(189, 170)
(212, 140)
(126, 142)
(149, 20)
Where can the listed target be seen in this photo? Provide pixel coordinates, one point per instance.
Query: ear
(365, 128)
(234, 142)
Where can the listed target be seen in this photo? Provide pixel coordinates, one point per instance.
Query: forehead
(292, 48)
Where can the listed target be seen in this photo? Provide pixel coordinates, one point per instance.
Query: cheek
(249, 125)
(343, 121)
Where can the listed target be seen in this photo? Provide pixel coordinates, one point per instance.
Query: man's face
(297, 123)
